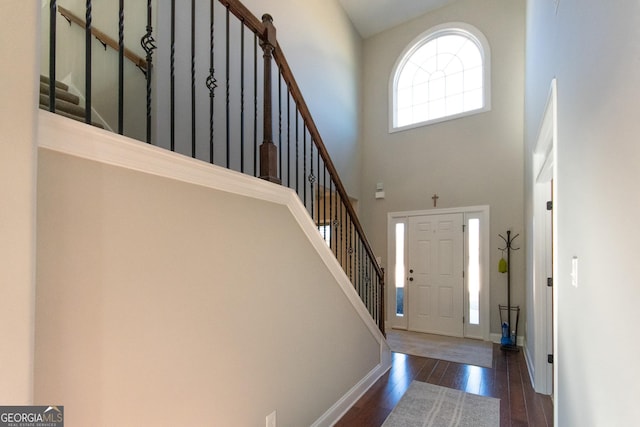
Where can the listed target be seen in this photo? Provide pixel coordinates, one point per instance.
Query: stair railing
(281, 135)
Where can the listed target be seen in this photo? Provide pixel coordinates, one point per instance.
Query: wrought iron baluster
(148, 44)
(280, 120)
(297, 150)
(211, 80)
(356, 267)
(350, 250)
(318, 186)
(288, 139)
(173, 77)
(331, 225)
(340, 251)
(193, 78)
(227, 55)
(312, 178)
(52, 55)
(324, 201)
(304, 160)
(242, 96)
(87, 95)
(121, 67)
(255, 105)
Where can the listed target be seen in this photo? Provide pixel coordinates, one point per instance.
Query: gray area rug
(459, 350)
(428, 405)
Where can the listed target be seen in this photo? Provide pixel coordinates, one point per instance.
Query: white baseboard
(337, 411)
(530, 365)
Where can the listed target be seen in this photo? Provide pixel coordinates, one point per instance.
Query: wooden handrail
(251, 21)
(245, 15)
(104, 39)
(296, 94)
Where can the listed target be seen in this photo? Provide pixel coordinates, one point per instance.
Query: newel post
(268, 150)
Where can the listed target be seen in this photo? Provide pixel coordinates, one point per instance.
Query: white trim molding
(544, 184)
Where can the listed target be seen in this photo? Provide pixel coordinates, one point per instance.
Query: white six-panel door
(435, 274)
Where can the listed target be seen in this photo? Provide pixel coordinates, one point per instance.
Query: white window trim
(433, 32)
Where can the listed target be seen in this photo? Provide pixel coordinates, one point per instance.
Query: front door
(435, 274)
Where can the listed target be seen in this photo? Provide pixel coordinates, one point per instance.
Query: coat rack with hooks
(511, 342)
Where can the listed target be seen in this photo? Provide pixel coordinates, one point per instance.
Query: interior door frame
(544, 376)
(482, 212)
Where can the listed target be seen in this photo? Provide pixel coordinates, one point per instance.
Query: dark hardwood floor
(508, 380)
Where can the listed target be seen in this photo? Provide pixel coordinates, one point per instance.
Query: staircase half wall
(173, 292)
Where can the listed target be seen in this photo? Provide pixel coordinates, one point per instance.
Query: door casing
(544, 304)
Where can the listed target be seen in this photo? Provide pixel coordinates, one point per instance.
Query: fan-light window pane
(405, 98)
(473, 79)
(436, 89)
(455, 84)
(442, 75)
(455, 104)
(454, 66)
(473, 100)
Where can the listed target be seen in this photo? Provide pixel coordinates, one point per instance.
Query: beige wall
(477, 160)
(166, 303)
(18, 83)
(591, 47)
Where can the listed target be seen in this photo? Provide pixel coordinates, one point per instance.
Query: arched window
(441, 75)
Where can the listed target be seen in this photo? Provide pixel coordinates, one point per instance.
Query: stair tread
(60, 94)
(63, 105)
(59, 84)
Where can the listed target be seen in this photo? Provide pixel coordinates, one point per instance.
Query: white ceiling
(373, 16)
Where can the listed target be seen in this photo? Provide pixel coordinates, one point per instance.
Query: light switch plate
(271, 419)
(574, 271)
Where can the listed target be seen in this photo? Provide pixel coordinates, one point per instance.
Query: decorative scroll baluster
(352, 252)
(52, 55)
(312, 178)
(318, 187)
(330, 220)
(121, 67)
(304, 164)
(211, 80)
(324, 202)
(87, 94)
(148, 44)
